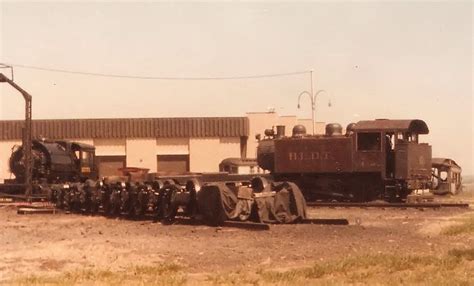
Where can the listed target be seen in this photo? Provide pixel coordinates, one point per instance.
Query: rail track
(432, 205)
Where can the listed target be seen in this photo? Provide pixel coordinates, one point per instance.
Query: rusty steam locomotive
(378, 159)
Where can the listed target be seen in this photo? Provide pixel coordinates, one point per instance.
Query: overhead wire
(272, 75)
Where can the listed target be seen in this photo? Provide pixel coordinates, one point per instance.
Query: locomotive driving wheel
(168, 205)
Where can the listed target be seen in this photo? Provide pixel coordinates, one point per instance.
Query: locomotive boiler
(56, 162)
(377, 159)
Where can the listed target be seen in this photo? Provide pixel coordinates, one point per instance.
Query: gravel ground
(54, 244)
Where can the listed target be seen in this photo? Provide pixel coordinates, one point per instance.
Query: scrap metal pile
(213, 203)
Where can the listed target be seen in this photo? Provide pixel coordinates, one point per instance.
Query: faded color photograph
(236, 143)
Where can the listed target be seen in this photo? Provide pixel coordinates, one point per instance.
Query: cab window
(368, 141)
(87, 159)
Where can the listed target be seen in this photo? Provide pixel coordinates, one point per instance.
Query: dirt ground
(48, 245)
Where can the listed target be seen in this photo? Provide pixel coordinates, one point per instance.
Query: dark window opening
(368, 141)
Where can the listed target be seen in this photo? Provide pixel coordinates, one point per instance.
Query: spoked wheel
(168, 205)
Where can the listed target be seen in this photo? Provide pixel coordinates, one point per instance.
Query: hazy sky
(375, 60)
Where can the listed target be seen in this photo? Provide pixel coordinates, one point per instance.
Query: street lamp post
(312, 97)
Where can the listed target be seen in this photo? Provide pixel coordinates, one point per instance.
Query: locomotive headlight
(122, 184)
(101, 183)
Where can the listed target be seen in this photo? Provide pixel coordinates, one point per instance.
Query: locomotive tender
(377, 159)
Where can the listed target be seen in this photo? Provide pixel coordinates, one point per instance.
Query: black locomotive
(378, 159)
(56, 162)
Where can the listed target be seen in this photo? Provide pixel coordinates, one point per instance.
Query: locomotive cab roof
(445, 162)
(416, 126)
(82, 146)
(77, 146)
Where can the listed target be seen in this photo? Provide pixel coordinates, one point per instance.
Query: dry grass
(163, 274)
(465, 227)
(455, 268)
(234, 278)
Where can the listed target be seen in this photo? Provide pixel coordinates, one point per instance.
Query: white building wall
(110, 147)
(141, 153)
(5, 153)
(205, 154)
(172, 146)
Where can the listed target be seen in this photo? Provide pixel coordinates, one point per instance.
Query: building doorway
(172, 163)
(110, 165)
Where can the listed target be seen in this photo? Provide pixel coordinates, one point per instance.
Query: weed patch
(466, 227)
(452, 269)
(455, 268)
(162, 274)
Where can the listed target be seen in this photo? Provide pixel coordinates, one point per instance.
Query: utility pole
(27, 130)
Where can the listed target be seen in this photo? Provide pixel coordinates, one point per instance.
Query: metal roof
(444, 162)
(129, 128)
(408, 125)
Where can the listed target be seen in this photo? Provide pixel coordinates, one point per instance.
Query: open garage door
(173, 163)
(110, 165)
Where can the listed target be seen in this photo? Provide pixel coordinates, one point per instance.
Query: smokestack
(280, 131)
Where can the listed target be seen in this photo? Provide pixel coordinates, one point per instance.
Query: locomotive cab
(392, 148)
(83, 156)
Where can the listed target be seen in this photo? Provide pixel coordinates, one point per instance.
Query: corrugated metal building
(159, 144)
(130, 128)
